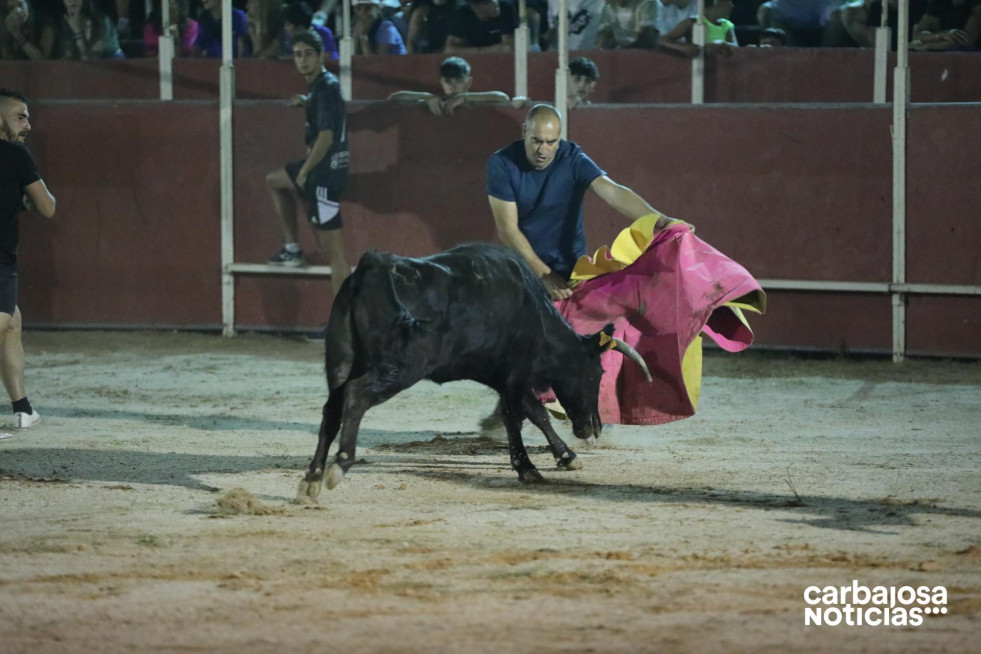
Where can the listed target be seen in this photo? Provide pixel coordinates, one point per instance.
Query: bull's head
(577, 385)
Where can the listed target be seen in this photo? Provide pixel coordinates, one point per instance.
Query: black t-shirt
(17, 171)
(950, 15)
(481, 34)
(435, 27)
(325, 111)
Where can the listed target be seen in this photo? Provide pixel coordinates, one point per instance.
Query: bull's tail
(339, 350)
(374, 271)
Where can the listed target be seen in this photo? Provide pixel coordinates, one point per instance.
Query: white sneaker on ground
(5, 435)
(25, 420)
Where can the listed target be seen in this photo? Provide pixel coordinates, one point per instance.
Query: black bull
(474, 312)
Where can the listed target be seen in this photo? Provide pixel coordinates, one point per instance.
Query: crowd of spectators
(105, 29)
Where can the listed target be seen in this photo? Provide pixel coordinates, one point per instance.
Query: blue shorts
(323, 200)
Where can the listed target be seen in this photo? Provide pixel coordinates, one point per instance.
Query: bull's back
(453, 315)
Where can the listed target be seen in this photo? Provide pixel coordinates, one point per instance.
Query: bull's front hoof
(309, 489)
(335, 475)
(568, 461)
(531, 476)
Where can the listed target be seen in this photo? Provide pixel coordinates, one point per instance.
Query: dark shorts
(8, 289)
(322, 198)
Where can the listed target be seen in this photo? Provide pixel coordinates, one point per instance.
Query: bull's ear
(604, 339)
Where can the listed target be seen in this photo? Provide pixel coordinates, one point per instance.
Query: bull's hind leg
(513, 414)
(330, 424)
(565, 458)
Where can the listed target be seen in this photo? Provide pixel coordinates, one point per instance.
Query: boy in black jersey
(320, 178)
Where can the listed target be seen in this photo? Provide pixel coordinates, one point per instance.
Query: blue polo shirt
(549, 200)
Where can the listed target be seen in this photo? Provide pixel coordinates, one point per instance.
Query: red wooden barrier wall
(795, 193)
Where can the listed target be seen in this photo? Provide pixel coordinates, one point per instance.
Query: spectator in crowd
(429, 25)
(23, 33)
(949, 25)
(21, 187)
(187, 29)
(455, 78)
(628, 24)
(584, 23)
(373, 34)
(327, 14)
(208, 43)
(583, 75)
(87, 33)
(670, 13)
(265, 28)
(397, 11)
(320, 178)
(802, 20)
(535, 12)
(483, 26)
(720, 33)
(854, 23)
(772, 37)
(297, 17)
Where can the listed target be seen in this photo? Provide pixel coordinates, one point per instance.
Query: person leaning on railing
(455, 79)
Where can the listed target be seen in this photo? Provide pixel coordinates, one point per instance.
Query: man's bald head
(542, 134)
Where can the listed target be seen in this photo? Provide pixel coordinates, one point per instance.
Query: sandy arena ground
(121, 529)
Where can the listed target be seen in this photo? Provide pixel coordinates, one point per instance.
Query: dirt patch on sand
(151, 509)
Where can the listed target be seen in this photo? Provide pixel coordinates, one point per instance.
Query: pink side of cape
(658, 305)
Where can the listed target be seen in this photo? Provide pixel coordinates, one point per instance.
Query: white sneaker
(5, 435)
(25, 420)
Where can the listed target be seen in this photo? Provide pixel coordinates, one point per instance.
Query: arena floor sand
(151, 510)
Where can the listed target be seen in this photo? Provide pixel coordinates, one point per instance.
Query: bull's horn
(634, 356)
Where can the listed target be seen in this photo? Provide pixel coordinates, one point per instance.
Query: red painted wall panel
(943, 201)
(825, 321)
(135, 239)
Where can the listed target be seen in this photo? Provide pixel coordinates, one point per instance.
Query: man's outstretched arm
(626, 201)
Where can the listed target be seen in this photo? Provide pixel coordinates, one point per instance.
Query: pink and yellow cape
(661, 292)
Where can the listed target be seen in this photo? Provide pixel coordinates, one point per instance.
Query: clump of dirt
(239, 501)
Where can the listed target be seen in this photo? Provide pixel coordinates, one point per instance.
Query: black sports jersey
(325, 111)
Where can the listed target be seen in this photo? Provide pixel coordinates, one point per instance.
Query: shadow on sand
(179, 469)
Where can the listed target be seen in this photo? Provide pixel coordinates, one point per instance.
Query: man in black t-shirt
(21, 187)
(320, 178)
(483, 26)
